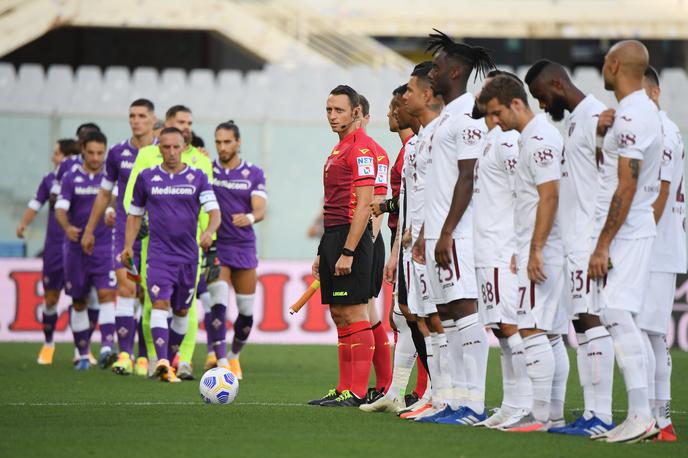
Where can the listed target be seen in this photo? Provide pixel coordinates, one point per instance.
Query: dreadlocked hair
(475, 57)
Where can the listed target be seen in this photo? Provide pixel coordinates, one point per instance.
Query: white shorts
(576, 295)
(539, 302)
(497, 295)
(626, 283)
(655, 315)
(418, 290)
(457, 282)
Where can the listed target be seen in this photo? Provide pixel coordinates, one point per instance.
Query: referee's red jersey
(351, 163)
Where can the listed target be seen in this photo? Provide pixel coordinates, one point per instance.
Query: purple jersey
(53, 233)
(78, 191)
(234, 189)
(68, 164)
(173, 203)
(120, 161)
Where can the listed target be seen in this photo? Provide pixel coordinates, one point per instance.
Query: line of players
(542, 230)
(159, 176)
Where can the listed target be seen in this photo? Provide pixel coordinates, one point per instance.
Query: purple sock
(160, 338)
(49, 322)
(92, 321)
(143, 350)
(107, 335)
(175, 342)
(206, 322)
(126, 327)
(242, 328)
(81, 341)
(218, 330)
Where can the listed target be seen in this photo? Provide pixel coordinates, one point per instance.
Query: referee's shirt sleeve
(362, 164)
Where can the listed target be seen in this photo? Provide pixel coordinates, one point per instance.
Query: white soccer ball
(219, 386)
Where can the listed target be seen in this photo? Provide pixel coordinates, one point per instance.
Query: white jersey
(635, 134)
(457, 137)
(416, 170)
(669, 249)
(404, 215)
(539, 162)
(494, 197)
(579, 177)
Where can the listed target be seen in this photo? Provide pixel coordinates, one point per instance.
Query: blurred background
(269, 66)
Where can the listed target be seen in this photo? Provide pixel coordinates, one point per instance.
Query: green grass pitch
(57, 412)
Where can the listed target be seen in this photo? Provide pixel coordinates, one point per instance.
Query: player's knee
(51, 298)
(219, 293)
(245, 303)
(126, 289)
(618, 321)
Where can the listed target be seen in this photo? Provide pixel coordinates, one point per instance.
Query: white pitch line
(191, 403)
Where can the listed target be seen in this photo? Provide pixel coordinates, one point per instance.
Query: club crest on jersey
(245, 173)
(471, 135)
(155, 289)
(543, 157)
(571, 128)
(193, 159)
(190, 177)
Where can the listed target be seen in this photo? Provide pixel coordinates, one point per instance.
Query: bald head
(625, 63)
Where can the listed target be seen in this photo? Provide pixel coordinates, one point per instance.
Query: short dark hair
(173, 110)
(197, 141)
(422, 70)
(400, 90)
(68, 146)
(535, 70)
(504, 89)
(364, 104)
(87, 126)
(495, 73)
(94, 136)
(143, 103)
(171, 130)
(472, 57)
(343, 89)
(652, 75)
(229, 125)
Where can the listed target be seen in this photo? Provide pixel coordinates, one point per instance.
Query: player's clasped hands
(599, 263)
(240, 220)
(536, 266)
(73, 233)
(315, 268)
(605, 121)
(87, 242)
(418, 251)
(109, 218)
(376, 209)
(343, 266)
(443, 256)
(206, 240)
(126, 256)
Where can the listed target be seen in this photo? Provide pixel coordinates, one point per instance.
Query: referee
(344, 261)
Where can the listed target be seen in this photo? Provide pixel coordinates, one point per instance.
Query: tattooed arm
(628, 171)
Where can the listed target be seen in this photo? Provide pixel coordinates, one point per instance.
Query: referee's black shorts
(378, 266)
(349, 289)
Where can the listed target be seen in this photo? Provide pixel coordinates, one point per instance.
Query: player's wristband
(392, 206)
(347, 252)
(251, 218)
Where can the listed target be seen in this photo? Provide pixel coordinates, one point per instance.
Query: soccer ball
(219, 386)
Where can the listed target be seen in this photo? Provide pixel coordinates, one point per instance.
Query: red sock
(362, 349)
(382, 359)
(344, 351)
(421, 378)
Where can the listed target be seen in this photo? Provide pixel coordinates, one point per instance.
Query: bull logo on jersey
(543, 157)
(571, 128)
(626, 139)
(245, 173)
(471, 135)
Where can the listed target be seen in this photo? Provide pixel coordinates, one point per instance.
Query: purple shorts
(83, 272)
(202, 286)
(53, 267)
(172, 282)
(236, 255)
(119, 246)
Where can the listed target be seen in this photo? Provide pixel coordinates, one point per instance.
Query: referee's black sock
(419, 343)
